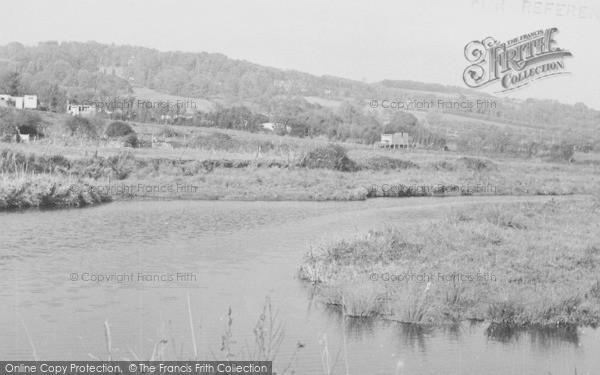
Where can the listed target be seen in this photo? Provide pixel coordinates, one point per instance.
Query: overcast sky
(421, 40)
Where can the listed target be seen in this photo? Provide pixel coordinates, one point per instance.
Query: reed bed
(515, 264)
(43, 190)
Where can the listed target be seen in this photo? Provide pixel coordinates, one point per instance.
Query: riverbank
(129, 175)
(517, 264)
(19, 191)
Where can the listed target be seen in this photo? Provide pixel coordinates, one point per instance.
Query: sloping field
(421, 115)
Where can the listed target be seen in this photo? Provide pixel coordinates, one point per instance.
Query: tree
(78, 125)
(403, 121)
(118, 129)
(10, 83)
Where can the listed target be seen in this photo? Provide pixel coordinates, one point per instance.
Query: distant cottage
(275, 127)
(80, 110)
(20, 102)
(395, 140)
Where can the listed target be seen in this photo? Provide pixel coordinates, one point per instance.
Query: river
(233, 255)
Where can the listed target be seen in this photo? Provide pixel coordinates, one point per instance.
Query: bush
(329, 157)
(563, 152)
(131, 140)
(81, 126)
(118, 129)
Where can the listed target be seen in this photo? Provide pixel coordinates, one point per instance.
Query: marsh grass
(411, 305)
(42, 190)
(357, 300)
(537, 264)
(268, 334)
(230, 165)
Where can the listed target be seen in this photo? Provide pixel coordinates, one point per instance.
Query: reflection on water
(543, 337)
(240, 252)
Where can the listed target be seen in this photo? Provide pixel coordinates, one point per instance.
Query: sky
(419, 40)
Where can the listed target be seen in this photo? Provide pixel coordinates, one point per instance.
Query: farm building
(80, 110)
(395, 140)
(21, 102)
(273, 127)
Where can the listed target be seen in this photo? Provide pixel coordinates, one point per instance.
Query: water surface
(238, 253)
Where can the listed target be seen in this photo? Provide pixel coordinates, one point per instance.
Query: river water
(224, 255)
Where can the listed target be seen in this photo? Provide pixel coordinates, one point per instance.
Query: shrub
(563, 152)
(81, 126)
(118, 129)
(329, 157)
(131, 140)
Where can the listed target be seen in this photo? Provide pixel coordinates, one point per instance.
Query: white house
(30, 101)
(395, 140)
(21, 102)
(80, 110)
(272, 127)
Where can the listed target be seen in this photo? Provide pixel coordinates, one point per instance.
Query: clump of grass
(387, 163)
(357, 299)
(168, 132)
(441, 166)
(19, 162)
(46, 191)
(494, 214)
(377, 247)
(412, 304)
(475, 164)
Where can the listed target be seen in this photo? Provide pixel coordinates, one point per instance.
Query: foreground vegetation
(526, 264)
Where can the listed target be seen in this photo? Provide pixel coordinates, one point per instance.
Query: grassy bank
(130, 174)
(43, 190)
(524, 264)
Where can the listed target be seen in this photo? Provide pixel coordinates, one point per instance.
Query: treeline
(296, 117)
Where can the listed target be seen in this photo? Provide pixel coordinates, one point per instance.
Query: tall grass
(268, 335)
(28, 190)
(511, 263)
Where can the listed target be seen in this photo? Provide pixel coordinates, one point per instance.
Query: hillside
(58, 72)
